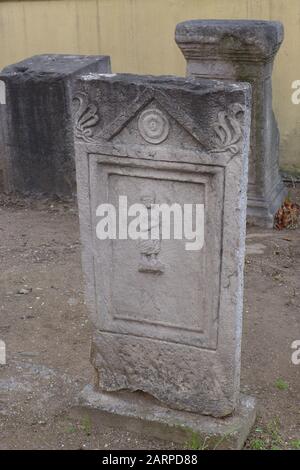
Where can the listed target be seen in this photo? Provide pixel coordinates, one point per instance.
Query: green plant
(281, 384)
(71, 429)
(274, 432)
(267, 436)
(295, 444)
(258, 444)
(87, 425)
(195, 442)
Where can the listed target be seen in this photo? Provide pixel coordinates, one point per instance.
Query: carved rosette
(153, 126)
(228, 130)
(85, 117)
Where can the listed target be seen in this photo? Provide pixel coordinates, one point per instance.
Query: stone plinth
(144, 415)
(244, 50)
(167, 320)
(37, 149)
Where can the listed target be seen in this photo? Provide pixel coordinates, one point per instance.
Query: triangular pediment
(154, 119)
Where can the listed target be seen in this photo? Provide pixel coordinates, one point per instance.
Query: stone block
(37, 147)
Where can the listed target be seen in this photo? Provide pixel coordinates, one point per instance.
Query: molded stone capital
(239, 40)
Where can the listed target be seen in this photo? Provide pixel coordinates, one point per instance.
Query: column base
(140, 413)
(261, 211)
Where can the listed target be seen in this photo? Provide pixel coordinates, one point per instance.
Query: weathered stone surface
(172, 331)
(243, 50)
(37, 147)
(3, 171)
(3, 182)
(142, 414)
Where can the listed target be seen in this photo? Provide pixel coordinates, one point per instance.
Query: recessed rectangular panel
(176, 300)
(152, 296)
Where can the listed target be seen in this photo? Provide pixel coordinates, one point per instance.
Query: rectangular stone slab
(172, 331)
(143, 415)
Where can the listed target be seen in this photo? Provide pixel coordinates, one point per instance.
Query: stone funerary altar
(167, 322)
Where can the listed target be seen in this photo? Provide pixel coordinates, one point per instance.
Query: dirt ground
(44, 324)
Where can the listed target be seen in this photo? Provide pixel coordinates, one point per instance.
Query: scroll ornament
(85, 117)
(228, 130)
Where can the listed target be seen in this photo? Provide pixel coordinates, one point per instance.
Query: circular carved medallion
(153, 126)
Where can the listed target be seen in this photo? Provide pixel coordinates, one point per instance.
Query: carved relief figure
(149, 249)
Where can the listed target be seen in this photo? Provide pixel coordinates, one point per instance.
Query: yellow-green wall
(139, 36)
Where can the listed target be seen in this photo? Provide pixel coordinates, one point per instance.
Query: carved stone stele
(243, 50)
(167, 321)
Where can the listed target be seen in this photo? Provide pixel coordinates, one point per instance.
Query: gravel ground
(44, 324)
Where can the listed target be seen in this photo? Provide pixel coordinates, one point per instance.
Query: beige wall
(138, 34)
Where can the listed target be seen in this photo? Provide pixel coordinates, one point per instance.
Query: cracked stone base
(140, 413)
